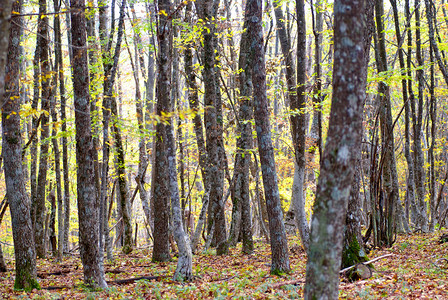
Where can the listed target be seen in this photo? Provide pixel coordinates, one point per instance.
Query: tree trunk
(353, 250)
(38, 202)
(344, 133)
(316, 125)
(241, 219)
(433, 116)
(417, 118)
(298, 128)
(59, 69)
(3, 267)
(279, 243)
(184, 264)
(122, 182)
(207, 10)
(390, 205)
(430, 16)
(141, 114)
(19, 203)
(161, 250)
(88, 213)
(110, 65)
(409, 158)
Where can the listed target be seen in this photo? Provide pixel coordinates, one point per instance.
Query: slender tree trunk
(39, 200)
(387, 165)
(88, 214)
(184, 264)
(298, 127)
(19, 203)
(279, 245)
(316, 125)
(207, 10)
(433, 116)
(417, 112)
(241, 219)
(110, 65)
(409, 158)
(141, 114)
(3, 267)
(193, 100)
(431, 18)
(59, 69)
(344, 133)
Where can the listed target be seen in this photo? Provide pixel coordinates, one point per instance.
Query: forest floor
(417, 269)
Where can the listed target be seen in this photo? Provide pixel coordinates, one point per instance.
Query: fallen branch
(365, 263)
(289, 282)
(436, 263)
(132, 280)
(122, 281)
(52, 288)
(223, 279)
(60, 272)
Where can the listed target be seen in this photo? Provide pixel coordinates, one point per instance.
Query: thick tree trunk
(87, 207)
(353, 250)
(161, 250)
(344, 132)
(19, 203)
(279, 243)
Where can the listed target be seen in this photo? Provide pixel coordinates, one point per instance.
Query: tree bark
(161, 250)
(409, 158)
(207, 10)
(184, 264)
(241, 219)
(344, 132)
(279, 243)
(59, 69)
(417, 118)
(39, 210)
(19, 202)
(88, 213)
(298, 128)
(354, 247)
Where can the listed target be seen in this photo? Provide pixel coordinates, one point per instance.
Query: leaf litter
(417, 269)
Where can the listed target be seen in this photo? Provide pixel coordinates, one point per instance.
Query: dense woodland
(184, 127)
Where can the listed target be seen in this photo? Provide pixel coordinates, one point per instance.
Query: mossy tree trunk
(19, 202)
(344, 133)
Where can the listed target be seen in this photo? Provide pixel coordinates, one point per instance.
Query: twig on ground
(289, 282)
(132, 280)
(366, 263)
